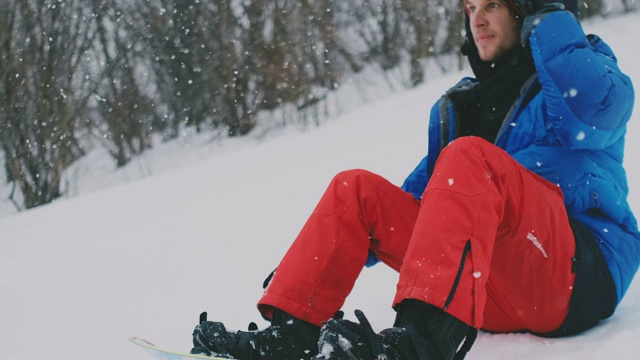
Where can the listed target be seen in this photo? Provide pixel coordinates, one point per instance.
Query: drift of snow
(80, 276)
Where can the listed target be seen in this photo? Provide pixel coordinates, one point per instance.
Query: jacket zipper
(528, 91)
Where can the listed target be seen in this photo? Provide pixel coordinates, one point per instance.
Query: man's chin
(487, 55)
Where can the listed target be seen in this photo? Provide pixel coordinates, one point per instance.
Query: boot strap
(472, 334)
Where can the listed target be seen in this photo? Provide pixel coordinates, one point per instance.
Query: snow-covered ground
(145, 257)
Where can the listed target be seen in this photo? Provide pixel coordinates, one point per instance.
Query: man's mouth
(483, 38)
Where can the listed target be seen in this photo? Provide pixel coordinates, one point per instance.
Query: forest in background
(116, 73)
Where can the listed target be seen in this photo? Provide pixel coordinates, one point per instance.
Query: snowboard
(163, 354)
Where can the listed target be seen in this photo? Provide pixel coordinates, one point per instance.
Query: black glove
(536, 11)
(211, 338)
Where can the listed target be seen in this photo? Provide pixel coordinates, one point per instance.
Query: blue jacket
(568, 126)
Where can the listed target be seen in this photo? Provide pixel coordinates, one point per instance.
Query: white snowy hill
(80, 276)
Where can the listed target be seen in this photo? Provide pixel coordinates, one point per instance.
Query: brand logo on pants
(535, 242)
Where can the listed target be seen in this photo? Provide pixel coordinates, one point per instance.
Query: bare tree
(589, 8)
(43, 94)
(455, 37)
(128, 70)
(125, 111)
(629, 5)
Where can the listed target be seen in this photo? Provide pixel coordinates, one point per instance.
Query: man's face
(495, 30)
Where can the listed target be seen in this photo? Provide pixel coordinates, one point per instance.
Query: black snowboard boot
(421, 331)
(286, 338)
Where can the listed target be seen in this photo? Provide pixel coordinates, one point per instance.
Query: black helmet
(528, 7)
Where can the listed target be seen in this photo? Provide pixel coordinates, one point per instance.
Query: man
(516, 220)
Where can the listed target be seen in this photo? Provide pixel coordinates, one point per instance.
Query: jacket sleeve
(416, 182)
(588, 99)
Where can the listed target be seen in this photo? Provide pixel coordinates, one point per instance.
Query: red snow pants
(489, 242)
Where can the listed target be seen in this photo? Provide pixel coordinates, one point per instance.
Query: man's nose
(478, 18)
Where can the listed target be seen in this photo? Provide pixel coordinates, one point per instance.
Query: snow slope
(145, 258)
